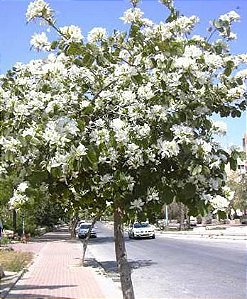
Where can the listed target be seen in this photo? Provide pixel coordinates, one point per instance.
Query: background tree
(123, 121)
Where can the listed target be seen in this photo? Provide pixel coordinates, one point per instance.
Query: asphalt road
(168, 267)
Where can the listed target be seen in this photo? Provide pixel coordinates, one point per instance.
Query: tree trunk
(121, 257)
(181, 226)
(85, 242)
(73, 227)
(14, 221)
(1, 272)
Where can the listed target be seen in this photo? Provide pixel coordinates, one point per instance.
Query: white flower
(219, 203)
(214, 183)
(72, 33)
(237, 92)
(3, 169)
(117, 124)
(132, 15)
(192, 51)
(17, 199)
(58, 160)
(213, 60)
(11, 144)
(242, 74)
(128, 97)
(202, 145)
(96, 34)
(145, 91)
(220, 127)
(229, 17)
(40, 42)
(22, 187)
(198, 38)
(29, 132)
(81, 150)
(184, 62)
(66, 125)
(137, 204)
(106, 178)
(134, 156)
(152, 195)
(84, 104)
(168, 148)
(39, 8)
(182, 133)
(143, 131)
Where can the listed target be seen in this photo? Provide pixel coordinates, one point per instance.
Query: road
(168, 267)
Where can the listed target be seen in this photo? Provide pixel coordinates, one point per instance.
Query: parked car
(243, 219)
(193, 221)
(83, 230)
(141, 230)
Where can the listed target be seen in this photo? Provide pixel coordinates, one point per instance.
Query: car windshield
(140, 225)
(85, 226)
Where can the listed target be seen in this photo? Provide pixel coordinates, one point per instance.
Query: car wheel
(153, 236)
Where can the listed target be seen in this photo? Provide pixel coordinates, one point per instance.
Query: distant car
(193, 221)
(243, 219)
(141, 230)
(83, 231)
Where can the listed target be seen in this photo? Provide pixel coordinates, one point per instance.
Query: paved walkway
(56, 271)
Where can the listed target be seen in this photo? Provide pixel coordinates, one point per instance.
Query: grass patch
(14, 260)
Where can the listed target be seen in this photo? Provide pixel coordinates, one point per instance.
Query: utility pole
(166, 215)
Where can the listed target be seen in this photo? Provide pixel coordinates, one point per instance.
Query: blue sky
(15, 34)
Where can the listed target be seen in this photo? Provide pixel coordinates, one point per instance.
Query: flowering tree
(123, 120)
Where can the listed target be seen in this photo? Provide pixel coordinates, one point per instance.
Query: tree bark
(73, 227)
(181, 206)
(121, 257)
(85, 242)
(14, 221)
(1, 272)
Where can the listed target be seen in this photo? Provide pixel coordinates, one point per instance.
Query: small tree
(123, 121)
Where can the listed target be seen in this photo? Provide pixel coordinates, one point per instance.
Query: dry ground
(14, 261)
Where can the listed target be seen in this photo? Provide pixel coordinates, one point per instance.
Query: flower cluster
(122, 119)
(39, 9)
(19, 197)
(71, 33)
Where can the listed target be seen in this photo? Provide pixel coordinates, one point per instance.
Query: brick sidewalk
(56, 271)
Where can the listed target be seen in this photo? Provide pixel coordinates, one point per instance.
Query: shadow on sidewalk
(59, 234)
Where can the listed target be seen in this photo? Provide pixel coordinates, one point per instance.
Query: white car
(83, 230)
(141, 230)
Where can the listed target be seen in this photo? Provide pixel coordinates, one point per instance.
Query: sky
(15, 33)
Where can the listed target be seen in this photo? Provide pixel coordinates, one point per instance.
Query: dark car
(243, 219)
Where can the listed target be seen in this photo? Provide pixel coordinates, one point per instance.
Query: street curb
(10, 282)
(211, 235)
(14, 279)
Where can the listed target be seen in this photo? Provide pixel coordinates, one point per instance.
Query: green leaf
(217, 24)
(229, 68)
(186, 193)
(221, 214)
(233, 164)
(88, 60)
(167, 195)
(54, 44)
(37, 177)
(137, 79)
(74, 49)
(92, 156)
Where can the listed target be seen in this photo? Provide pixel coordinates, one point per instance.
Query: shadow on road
(110, 267)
